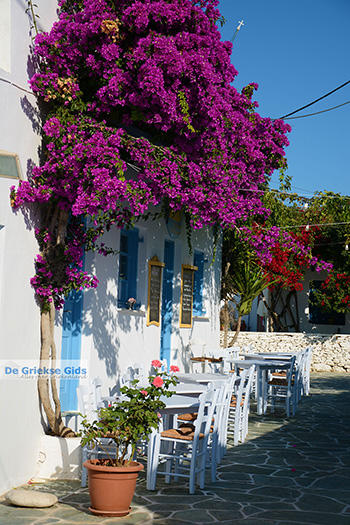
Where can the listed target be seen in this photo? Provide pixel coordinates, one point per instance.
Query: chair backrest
(233, 351)
(207, 405)
(247, 385)
(87, 401)
(306, 378)
(97, 385)
(290, 371)
(197, 347)
(135, 371)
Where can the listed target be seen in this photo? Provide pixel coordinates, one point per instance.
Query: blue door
(71, 347)
(167, 301)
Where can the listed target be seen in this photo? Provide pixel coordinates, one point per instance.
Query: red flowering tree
(280, 248)
(147, 84)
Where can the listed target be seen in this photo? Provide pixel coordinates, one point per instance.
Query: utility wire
(314, 102)
(318, 112)
(294, 194)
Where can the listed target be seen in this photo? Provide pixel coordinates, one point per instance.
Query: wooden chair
(88, 406)
(283, 390)
(183, 450)
(197, 354)
(240, 405)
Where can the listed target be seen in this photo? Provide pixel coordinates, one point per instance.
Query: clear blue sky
(297, 51)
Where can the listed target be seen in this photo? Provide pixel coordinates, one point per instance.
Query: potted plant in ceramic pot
(112, 480)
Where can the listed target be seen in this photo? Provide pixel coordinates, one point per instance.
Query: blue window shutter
(127, 281)
(198, 260)
(133, 260)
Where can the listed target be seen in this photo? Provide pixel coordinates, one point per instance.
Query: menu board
(186, 302)
(154, 291)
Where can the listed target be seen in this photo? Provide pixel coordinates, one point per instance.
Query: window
(198, 261)
(127, 281)
(316, 315)
(9, 165)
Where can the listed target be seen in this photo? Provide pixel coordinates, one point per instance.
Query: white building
(96, 327)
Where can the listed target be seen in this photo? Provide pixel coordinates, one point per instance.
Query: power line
(317, 100)
(318, 112)
(294, 194)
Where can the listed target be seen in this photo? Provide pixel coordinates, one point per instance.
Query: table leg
(264, 390)
(259, 392)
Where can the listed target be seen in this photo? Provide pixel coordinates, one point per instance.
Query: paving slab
(292, 471)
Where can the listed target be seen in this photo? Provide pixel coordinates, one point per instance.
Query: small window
(128, 262)
(198, 261)
(316, 315)
(9, 165)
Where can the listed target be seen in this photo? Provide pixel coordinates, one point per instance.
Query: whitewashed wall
(302, 308)
(331, 353)
(114, 338)
(19, 318)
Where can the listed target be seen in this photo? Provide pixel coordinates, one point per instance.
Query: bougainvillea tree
(108, 67)
(280, 248)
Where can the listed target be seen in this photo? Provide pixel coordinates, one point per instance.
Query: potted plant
(112, 480)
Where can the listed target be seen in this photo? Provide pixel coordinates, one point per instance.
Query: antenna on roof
(240, 23)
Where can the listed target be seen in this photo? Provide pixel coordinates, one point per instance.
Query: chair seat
(280, 382)
(184, 432)
(233, 404)
(198, 359)
(187, 417)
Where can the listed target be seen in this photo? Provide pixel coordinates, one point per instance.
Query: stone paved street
(294, 471)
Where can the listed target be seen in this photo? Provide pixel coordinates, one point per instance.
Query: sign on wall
(154, 290)
(186, 302)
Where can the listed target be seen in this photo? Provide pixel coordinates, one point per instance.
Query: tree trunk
(238, 329)
(226, 322)
(48, 360)
(226, 313)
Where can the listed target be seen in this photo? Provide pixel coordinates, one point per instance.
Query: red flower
(156, 363)
(174, 368)
(158, 382)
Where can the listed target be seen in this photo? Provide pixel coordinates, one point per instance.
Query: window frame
(127, 287)
(198, 284)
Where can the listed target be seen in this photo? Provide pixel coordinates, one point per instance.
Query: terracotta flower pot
(111, 489)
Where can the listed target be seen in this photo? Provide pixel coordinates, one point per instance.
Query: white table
(176, 404)
(189, 389)
(267, 355)
(262, 366)
(201, 378)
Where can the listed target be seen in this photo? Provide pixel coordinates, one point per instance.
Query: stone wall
(331, 353)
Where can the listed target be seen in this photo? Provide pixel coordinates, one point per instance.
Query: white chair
(101, 400)
(197, 354)
(88, 407)
(239, 406)
(247, 390)
(231, 387)
(306, 371)
(215, 361)
(213, 455)
(135, 371)
(183, 450)
(284, 390)
(218, 436)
